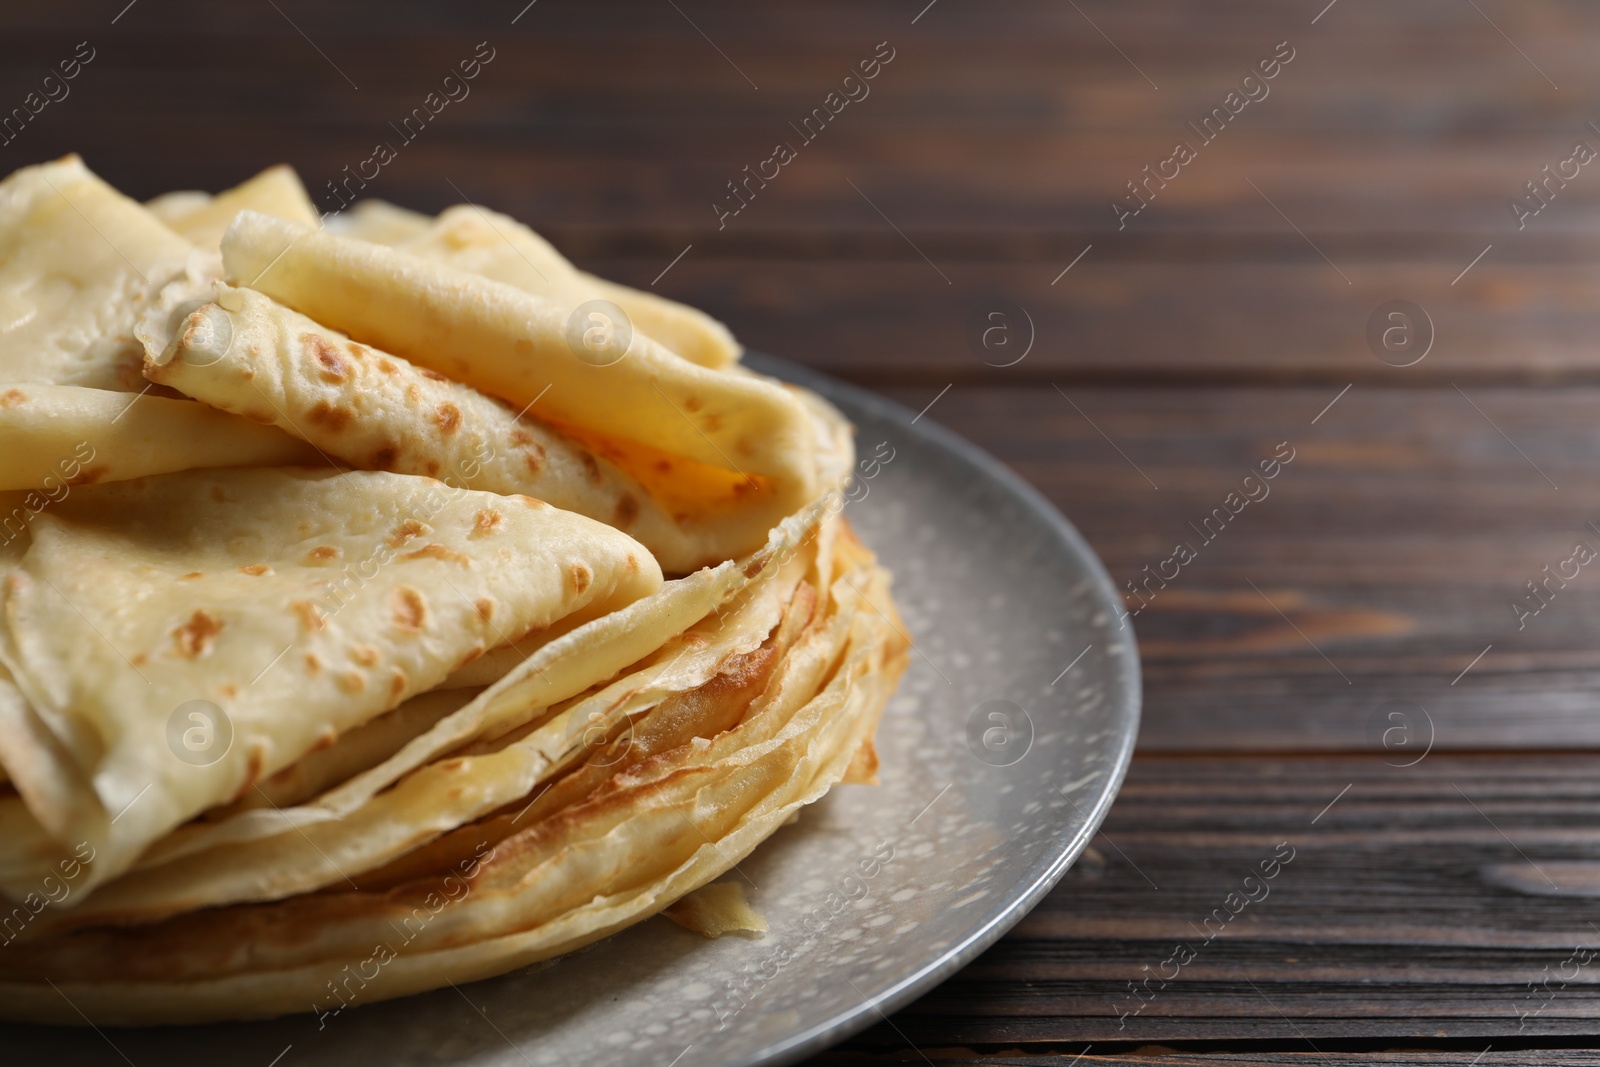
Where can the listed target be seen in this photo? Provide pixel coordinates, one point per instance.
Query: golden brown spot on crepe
(410, 609)
(447, 417)
(692, 403)
(413, 394)
(633, 563)
(432, 375)
(254, 765)
(352, 681)
(387, 366)
(440, 552)
(141, 659)
(325, 738)
(322, 553)
(191, 576)
(469, 657)
(313, 664)
(365, 655)
(358, 351)
(663, 466)
(532, 502)
(485, 606)
(196, 637)
(12, 397)
(405, 532)
(534, 458)
(385, 456)
(591, 467)
(627, 511)
(712, 423)
(332, 363)
(255, 569)
(433, 466)
(487, 521)
(311, 619)
(89, 475)
(519, 436)
(581, 576)
(229, 691)
(397, 682)
(332, 416)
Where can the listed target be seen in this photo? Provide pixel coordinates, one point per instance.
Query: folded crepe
(280, 606)
(278, 737)
(499, 247)
(202, 218)
(731, 444)
(247, 354)
(656, 813)
(78, 262)
(55, 436)
(293, 853)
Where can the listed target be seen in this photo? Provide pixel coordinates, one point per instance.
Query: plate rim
(1041, 876)
(845, 1024)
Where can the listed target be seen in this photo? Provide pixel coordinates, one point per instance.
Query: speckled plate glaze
(1000, 755)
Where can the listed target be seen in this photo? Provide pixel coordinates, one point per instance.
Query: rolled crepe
(283, 607)
(78, 262)
(249, 355)
(514, 345)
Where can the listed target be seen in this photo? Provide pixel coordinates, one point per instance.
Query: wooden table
(1343, 670)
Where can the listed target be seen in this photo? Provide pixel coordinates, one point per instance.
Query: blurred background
(1134, 250)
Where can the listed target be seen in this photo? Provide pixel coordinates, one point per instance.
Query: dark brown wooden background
(1221, 321)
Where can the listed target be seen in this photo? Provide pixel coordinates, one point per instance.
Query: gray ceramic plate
(1000, 755)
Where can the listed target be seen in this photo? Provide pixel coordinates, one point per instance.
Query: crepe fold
(182, 637)
(731, 447)
(58, 436)
(202, 219)
(657, 809)
(499, 247)
(78, 262)
(249, 355)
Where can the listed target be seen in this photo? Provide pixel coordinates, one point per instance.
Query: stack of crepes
(377, 614)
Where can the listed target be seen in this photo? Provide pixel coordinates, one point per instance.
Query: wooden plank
(1394, 544)
(993, 143)
(1409, 902)
(1021, 121)
(882, 317)
(1261, 1052)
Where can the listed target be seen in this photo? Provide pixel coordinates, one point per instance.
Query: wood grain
(1394, 545)
(1377, 578)
(1418, 903)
